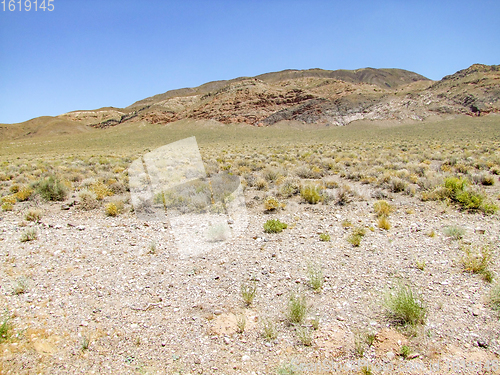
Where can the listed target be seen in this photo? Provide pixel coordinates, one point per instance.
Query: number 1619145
(27, 5)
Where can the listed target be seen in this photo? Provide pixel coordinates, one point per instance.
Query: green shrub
(325, 237)
(457, 190)
(404, 308)
(52, 189)
(311, 193)
(274, 226)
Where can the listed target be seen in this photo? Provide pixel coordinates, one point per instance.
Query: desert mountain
(309, 96)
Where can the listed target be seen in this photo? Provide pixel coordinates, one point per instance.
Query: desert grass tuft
(404, 307)
(269, 331)
(478, 261)
(248, 292)
(297, 308)
(315, 276)
(29, 235)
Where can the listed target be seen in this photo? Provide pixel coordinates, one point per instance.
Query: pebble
(245, 358)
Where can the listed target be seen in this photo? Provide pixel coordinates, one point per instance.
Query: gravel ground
(90, 295)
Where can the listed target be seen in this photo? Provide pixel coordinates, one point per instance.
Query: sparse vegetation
(382, 208)
(494, 297)
(274, 226)
(114, 208)
(404, 307)
(241, 322)
(346, 224)
(305, 335)
(455, 232)
(459, 191)
(315, 275)
(33, 214)
(152, 248)
(383, 223)
(6, 327)
(287, 369)
(51, 189)
(325, 237)
(405, 351)
(356, 235)
(311, 193)
(297, 308)
(88, 200)
(478, 260)
(7, 206)
(269, 331)
(85, 342)
(29, 235)
(248, 292)
(420, 265)
(20, 285)
(273, 204)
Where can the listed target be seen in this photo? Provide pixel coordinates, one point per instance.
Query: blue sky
(88, 54)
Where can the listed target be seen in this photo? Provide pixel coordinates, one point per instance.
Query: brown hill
(310, 96)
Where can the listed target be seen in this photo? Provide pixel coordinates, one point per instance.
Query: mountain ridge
(312, 96)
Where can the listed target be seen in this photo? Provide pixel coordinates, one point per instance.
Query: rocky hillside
(310, 96)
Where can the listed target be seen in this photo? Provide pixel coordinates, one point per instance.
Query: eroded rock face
(321, 97)
(314, 96)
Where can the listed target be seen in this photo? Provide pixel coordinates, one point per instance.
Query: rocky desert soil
(112, 295)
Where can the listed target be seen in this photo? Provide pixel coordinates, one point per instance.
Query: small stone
(390, 356)
(245, 358)
(80, 227)
(218, 312)
(476, 311)
(479, 230)
(340, 317)
(164, 343)
(482, 344)
(84, 323)
(64, 207)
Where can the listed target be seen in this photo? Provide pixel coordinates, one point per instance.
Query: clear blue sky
(87, 54)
